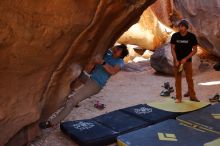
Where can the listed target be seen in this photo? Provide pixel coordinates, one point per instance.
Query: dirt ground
(127, 89)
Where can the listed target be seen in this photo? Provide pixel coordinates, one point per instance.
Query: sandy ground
(127, 89)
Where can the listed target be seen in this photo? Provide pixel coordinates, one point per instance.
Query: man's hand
(98, 60)
(177, 63)
(183, 61)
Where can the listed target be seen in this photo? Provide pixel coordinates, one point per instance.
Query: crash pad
(88, 132)
(213, 143)
(149, 114)
(167, 133)
(104, 129)
(120, 121)
(206, 119)
(185, 106)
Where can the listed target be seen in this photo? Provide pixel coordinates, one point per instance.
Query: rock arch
(43, 46)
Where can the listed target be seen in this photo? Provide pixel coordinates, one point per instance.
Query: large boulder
(205, 19)
(162, 60)
(44, 44)
(148, 33)
(203, 15)
(137, 54)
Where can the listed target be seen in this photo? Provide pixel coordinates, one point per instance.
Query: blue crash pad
(88, 132)
(104, 129)
(150, 114)
(207, 118)
(120, 121)
(167, 133)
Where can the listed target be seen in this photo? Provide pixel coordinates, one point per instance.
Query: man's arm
(194, 51)
(176, 62)
(173, 52)
(112, 70)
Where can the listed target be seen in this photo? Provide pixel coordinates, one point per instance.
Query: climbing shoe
(166, 85)
(216, 98)
(165, 93)
(45, 125)
(167, 89)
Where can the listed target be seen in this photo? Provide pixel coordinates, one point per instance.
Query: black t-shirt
(183, 44)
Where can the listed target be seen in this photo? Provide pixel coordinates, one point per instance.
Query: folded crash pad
(181, 108)
(206, 119)
(167, 133)
(149, 114)
(121, 122)
(88, 132)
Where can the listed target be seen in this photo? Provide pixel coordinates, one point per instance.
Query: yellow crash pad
(185, 106)
(213, 143)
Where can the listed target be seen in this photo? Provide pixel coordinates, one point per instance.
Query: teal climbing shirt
(99, 74)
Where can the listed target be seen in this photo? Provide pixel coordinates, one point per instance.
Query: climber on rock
(183, 48)
(101, 70)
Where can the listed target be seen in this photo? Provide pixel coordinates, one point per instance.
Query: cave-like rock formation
(43, 46)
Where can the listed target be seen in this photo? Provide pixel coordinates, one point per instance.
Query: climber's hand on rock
(98, 60)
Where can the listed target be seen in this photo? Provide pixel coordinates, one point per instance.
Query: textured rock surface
(204, 17)
(148, 33)
(162, 60)
(163, 9)
(137, 52)
(43, 46)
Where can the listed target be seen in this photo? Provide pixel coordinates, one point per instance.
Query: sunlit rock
(44, 44)
(203, 15)
(148, 33)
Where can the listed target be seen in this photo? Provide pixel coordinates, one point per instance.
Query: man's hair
(124, 50)
(184, 22)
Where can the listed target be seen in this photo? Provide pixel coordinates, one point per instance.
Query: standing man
(183, 48)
